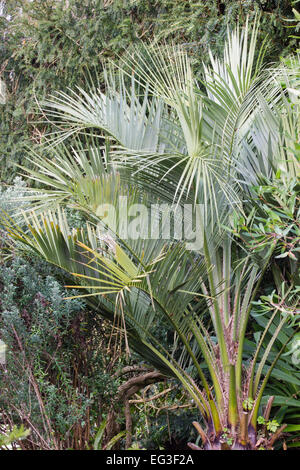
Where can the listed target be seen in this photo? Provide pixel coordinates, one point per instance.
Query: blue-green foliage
(55, 346)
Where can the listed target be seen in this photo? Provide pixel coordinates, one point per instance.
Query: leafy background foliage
(53, 44)
(49, 342)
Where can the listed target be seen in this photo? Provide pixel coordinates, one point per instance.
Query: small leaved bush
(54, 380)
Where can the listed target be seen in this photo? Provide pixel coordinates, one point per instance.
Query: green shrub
(56, 380)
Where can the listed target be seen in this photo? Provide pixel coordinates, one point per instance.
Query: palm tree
(206, 144)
